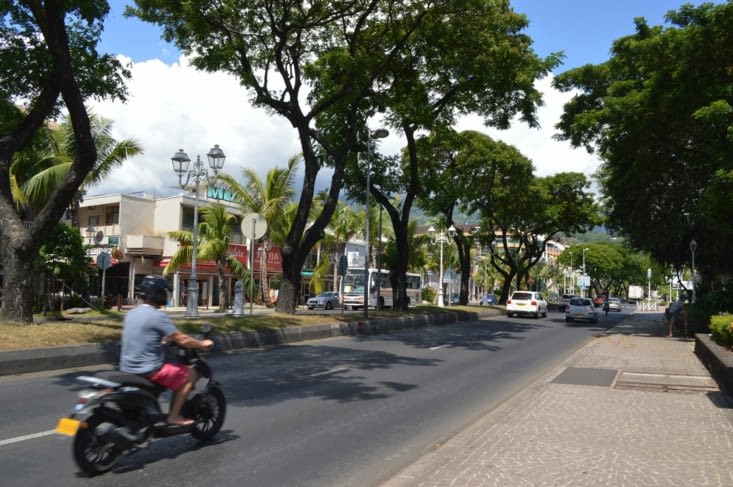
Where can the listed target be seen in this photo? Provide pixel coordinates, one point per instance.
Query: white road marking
(439, 346)
(18, 439)
(329, 372)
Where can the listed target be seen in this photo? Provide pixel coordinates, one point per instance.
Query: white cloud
(175, 106)
(549, 156)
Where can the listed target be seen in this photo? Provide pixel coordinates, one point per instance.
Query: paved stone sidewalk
(633, 408)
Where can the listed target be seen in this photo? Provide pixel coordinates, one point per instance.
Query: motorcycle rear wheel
(208, 411)
(93, 454)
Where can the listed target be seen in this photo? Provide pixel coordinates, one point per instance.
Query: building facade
(134, 230)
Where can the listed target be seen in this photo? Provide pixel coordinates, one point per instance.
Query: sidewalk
(633, 408)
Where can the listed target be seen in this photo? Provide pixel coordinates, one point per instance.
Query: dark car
(565, 301)
(487, 299)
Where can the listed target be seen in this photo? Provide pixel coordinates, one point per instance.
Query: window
(113, 215)
(93, 220)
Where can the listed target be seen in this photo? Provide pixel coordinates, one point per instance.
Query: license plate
(67, 426)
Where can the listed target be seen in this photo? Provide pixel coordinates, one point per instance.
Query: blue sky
(173, 106)
(584, 29)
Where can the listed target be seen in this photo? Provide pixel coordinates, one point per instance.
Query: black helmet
(154, 289)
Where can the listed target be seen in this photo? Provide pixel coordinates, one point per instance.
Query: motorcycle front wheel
(208, 411)
(92, 453)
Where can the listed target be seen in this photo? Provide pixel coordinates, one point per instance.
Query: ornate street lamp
(441, 239)
(181, 163)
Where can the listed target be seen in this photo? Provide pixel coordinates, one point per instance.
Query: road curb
(35, 360)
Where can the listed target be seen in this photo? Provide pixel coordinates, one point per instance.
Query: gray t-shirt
(142, 350)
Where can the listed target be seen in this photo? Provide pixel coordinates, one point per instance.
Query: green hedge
(721, 327)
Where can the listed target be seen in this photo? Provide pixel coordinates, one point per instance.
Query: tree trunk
(398, 277)
(17, 283)
(287, 298)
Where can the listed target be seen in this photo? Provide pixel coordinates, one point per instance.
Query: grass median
(98, 327)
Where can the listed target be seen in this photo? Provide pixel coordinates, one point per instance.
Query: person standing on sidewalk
(677, 314)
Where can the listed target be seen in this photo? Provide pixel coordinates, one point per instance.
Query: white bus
(353, 291)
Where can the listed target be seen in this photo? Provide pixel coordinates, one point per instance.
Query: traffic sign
(253, 226)
(104, 261)
(343, 265)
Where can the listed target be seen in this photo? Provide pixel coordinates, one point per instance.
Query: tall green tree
(49, 58)
(659, 113)
(215, 233)
(272, 199)
(48, 173)
(468, 57)
(325, 66)
(465, 172)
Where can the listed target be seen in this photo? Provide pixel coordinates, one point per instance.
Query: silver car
(581, 309)
(325, 300)
(614, 304)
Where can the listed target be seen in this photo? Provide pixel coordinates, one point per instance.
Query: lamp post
(181, 162)
(441, 239)
(582, 288)
(379, 256)
(693, 248)
(377, 134)
(572, 276)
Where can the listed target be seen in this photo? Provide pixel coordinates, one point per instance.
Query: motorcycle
(118, 413)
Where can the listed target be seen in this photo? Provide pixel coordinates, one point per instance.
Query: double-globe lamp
(181, 163)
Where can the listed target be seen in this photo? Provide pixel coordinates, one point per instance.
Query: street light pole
(441, 239)
(582, 289)
(377, 134)
(181, 163)
(693, 248)
(572, 276)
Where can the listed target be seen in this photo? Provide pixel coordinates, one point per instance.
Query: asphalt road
(348, 411)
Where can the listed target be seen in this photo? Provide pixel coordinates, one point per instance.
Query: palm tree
(36, 181)
(214, 238)
(272, 199)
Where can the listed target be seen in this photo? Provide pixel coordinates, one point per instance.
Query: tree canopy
(659, 113)
(49, 58)
(329, 67)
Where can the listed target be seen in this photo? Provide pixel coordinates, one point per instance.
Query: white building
(134, 229)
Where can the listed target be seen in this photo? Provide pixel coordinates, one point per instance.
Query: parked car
(581, 309)
(325, 300)
(487, 299)
(564, 301)
(526, 303)
(614, 304)
(454, 299)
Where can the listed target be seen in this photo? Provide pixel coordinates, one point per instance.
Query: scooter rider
(146, 332)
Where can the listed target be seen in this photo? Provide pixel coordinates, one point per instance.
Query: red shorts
(171, 376)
